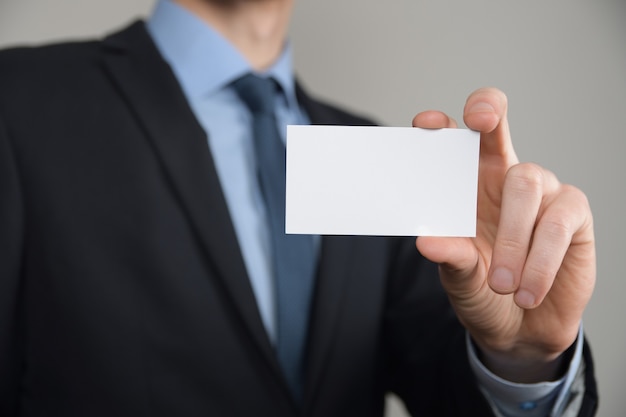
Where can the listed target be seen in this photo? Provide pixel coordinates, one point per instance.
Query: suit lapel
(153, 94)
(146, 82)
(333, 276)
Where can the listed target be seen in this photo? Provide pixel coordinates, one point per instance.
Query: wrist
(520, 366)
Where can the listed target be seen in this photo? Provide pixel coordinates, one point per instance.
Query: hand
(519, 287)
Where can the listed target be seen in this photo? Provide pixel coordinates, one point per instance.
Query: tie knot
(256, 92)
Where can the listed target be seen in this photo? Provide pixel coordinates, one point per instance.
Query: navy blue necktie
(293, 255)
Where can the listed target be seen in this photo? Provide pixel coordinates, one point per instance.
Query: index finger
(486, 111)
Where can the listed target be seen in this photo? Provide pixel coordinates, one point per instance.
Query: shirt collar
(202, 59)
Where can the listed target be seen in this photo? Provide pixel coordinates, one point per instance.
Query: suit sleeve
(427, 362)
(11, 243)
(426, 346)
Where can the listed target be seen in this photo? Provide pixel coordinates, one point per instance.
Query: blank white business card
(381, 181)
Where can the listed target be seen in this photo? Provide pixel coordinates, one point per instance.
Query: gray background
(562, 64)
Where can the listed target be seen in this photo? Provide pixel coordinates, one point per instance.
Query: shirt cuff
(526, 400)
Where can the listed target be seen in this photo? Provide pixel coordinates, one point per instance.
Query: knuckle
(570, 211)
(557, 226)
(579, 198)
(526, 178)
(511, 244)
(539, 276)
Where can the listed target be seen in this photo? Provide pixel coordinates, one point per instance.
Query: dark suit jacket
(122, 288)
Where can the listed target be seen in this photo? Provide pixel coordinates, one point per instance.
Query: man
(136, 271)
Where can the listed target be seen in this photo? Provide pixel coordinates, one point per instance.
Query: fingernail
(525, 299)
(502, 279)
(481, 107)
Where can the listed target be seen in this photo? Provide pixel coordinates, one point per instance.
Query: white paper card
(385, 181)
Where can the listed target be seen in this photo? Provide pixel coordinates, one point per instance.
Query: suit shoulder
(324, 112)
(32, 77)
(63, 60)
(27, 60)
(347, 116)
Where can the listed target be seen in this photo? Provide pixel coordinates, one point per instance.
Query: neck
(257, 28)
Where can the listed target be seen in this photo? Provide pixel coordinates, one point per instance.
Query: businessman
(143, 271)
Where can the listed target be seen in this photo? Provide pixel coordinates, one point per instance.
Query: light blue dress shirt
(205, 64)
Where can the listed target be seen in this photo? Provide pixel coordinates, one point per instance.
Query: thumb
(458, 261)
